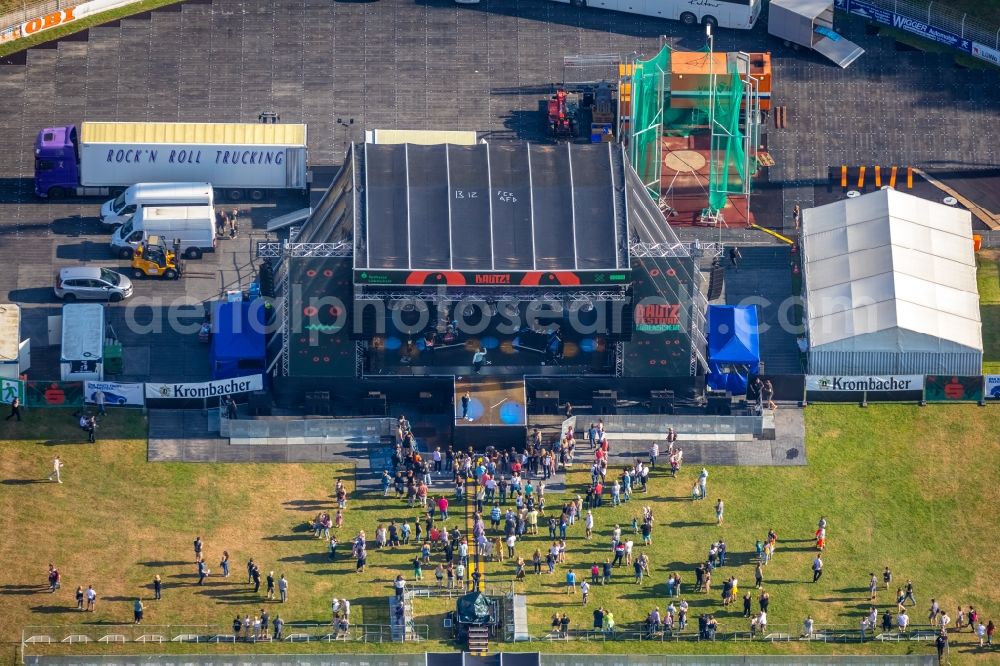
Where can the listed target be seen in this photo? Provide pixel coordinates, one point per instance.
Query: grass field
(909, 487)
(988, 278)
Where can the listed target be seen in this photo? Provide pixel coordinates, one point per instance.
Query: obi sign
(49, 21)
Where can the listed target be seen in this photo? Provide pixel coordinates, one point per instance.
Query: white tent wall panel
(894, 363)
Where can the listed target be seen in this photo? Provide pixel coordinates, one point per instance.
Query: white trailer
(239, 159)
(15, 354)
(82, 355)
(738, 14)
(809, 23)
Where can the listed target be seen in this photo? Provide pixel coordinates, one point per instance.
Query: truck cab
(57, 161)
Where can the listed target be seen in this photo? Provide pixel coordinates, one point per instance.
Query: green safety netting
(712, 109)
(650, 82)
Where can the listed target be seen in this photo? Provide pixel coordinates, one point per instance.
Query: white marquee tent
(890, 287)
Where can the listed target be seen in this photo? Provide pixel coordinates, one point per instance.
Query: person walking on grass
(15, 410)
(202, 571)
(941, 643)
(817, 568)
(197, 549)
(91, 599)
(157, 587)
(570, 582)
(270, 584)
(872, 586)
(283, 588)
(585, 591)
(703, 484)
(57, 465)
(79, 597)
(224, 563)
(719, 509)
(137, 610)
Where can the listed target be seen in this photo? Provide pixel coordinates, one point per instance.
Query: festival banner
(993, 387)
(871, 383)
(217, 389)
(54, 394)
(115, 393)
(949, 388)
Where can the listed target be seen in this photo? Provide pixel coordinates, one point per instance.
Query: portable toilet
(82, 356)
(15, 355)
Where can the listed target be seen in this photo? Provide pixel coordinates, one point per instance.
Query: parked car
(92, 283)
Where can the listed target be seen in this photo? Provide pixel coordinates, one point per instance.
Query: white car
(92, 283)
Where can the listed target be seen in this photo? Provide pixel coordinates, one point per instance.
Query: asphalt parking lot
(406, 64)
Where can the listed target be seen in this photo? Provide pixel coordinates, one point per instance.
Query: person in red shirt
(598, 491)
(443, 507)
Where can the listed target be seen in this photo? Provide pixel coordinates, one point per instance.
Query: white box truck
(82, 355)
(15, 354)
(242, 160)
(809, 23)
(144, 195)
(192, 226)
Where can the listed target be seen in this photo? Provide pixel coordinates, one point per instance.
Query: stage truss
(453, 295)
(680, 249)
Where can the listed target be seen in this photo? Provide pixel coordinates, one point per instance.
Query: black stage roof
(514, 214)
(491, 207)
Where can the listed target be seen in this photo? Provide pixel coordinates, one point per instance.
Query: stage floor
(684, 182)
(492, 402)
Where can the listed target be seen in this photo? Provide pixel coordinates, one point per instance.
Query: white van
(193, 226)
(82, 355)
(141, 195)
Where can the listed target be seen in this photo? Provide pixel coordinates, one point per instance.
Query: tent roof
(732, 334)
(235, 337)
(890, 263)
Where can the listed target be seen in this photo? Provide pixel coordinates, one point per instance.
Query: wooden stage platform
(494, 401)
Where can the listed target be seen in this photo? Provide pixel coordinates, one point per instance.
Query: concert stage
(549, 265)
(492, 402)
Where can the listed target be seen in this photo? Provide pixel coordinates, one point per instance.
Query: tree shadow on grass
(165, 563)
(23, 589)
(681, 523)
(307, 558)
(53, 609)
(290, 537)
(309, 505)
(234, 595)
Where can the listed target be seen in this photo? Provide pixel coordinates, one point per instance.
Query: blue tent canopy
(733, 347)
(238, 340)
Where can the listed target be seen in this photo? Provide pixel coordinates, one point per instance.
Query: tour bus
(143, 195)
(739, 14)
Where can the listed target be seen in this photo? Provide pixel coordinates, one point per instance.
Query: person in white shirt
(345, 606)
(902, 621)
(57, 464)
(807, 627)
(585, 589)
(654, 452)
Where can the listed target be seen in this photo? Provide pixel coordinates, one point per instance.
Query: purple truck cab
(57, 161)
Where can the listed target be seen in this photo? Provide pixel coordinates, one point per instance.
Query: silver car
(92, 283)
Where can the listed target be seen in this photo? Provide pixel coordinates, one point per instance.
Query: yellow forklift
(153, 259)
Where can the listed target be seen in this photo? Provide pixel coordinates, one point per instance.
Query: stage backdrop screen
(661, 306)
(320, 317)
